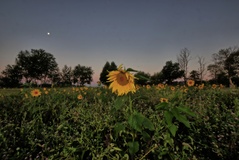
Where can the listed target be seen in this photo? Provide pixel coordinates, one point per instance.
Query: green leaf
(135, 121)
(162, 106)
(181, 118)
(168, 117)
(142, 77)
(119, 102)
(187, 111)
(131, 70)
(148, 124)
(133, 147)
(146, 136)
(118, 128)
(173, 129)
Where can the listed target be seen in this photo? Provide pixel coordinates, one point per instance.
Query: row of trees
(224, 69)
(40, 66)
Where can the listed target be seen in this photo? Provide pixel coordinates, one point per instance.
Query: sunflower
(35, 93)
(161, 86)
(214, 86)
(201, 86)
(172, 88)
(190, 83)
(79, 97)
(122, 81)
(221, 86)
(163, 100)
(99, 83)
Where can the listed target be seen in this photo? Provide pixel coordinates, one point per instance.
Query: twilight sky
(140, 34)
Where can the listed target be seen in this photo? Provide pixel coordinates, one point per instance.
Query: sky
(140, 34)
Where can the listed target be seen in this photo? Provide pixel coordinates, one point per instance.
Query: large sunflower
(122, 81)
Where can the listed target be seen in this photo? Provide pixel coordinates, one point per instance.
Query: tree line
(40, 66)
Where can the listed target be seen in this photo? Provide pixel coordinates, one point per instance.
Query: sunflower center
(122, 79)
(36, 92)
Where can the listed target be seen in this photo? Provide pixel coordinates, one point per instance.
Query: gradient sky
(140, 34)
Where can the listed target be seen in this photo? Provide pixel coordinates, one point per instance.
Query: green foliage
(198, 124)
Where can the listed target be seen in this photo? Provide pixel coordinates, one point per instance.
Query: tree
(171, 71)
(12, 76)
(194, 75)
(82, 74)
(226, 60)
(55, 76)
(66, 75)
(105, 71)
(157, 78)
(202, 67)
(142, 78)
(183, 60)
(37, 64)
(214, 70)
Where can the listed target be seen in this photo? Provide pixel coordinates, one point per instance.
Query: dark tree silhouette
(194, 75)
(142, 78)
(66, 75)
(157, 78)
(171, 71)
(82, 75)
(105, 71)
(226, 61)
(183, 60)
(12, 75)
(36, 65)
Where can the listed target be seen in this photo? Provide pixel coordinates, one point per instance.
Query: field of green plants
(156, 122)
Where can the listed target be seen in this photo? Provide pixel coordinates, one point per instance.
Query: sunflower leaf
(133, 147)
(119, 103)
(181, 118)
(173, 129)
(187, 111)
(131, 70)
(142, 77)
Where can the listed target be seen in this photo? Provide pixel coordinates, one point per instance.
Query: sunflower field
(156, 122)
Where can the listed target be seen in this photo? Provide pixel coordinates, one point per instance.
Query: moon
(48, 33)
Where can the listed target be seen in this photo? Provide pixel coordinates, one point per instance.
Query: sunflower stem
(130, 105)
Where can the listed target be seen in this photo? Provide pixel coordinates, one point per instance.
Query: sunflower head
(201, 86)
(79, 97)
(190, 83)
(121, 81)
(172, 88)
(214, 86)
(35, 93)
(163, 100)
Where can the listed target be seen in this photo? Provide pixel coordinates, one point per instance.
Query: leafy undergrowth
(188, 123)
